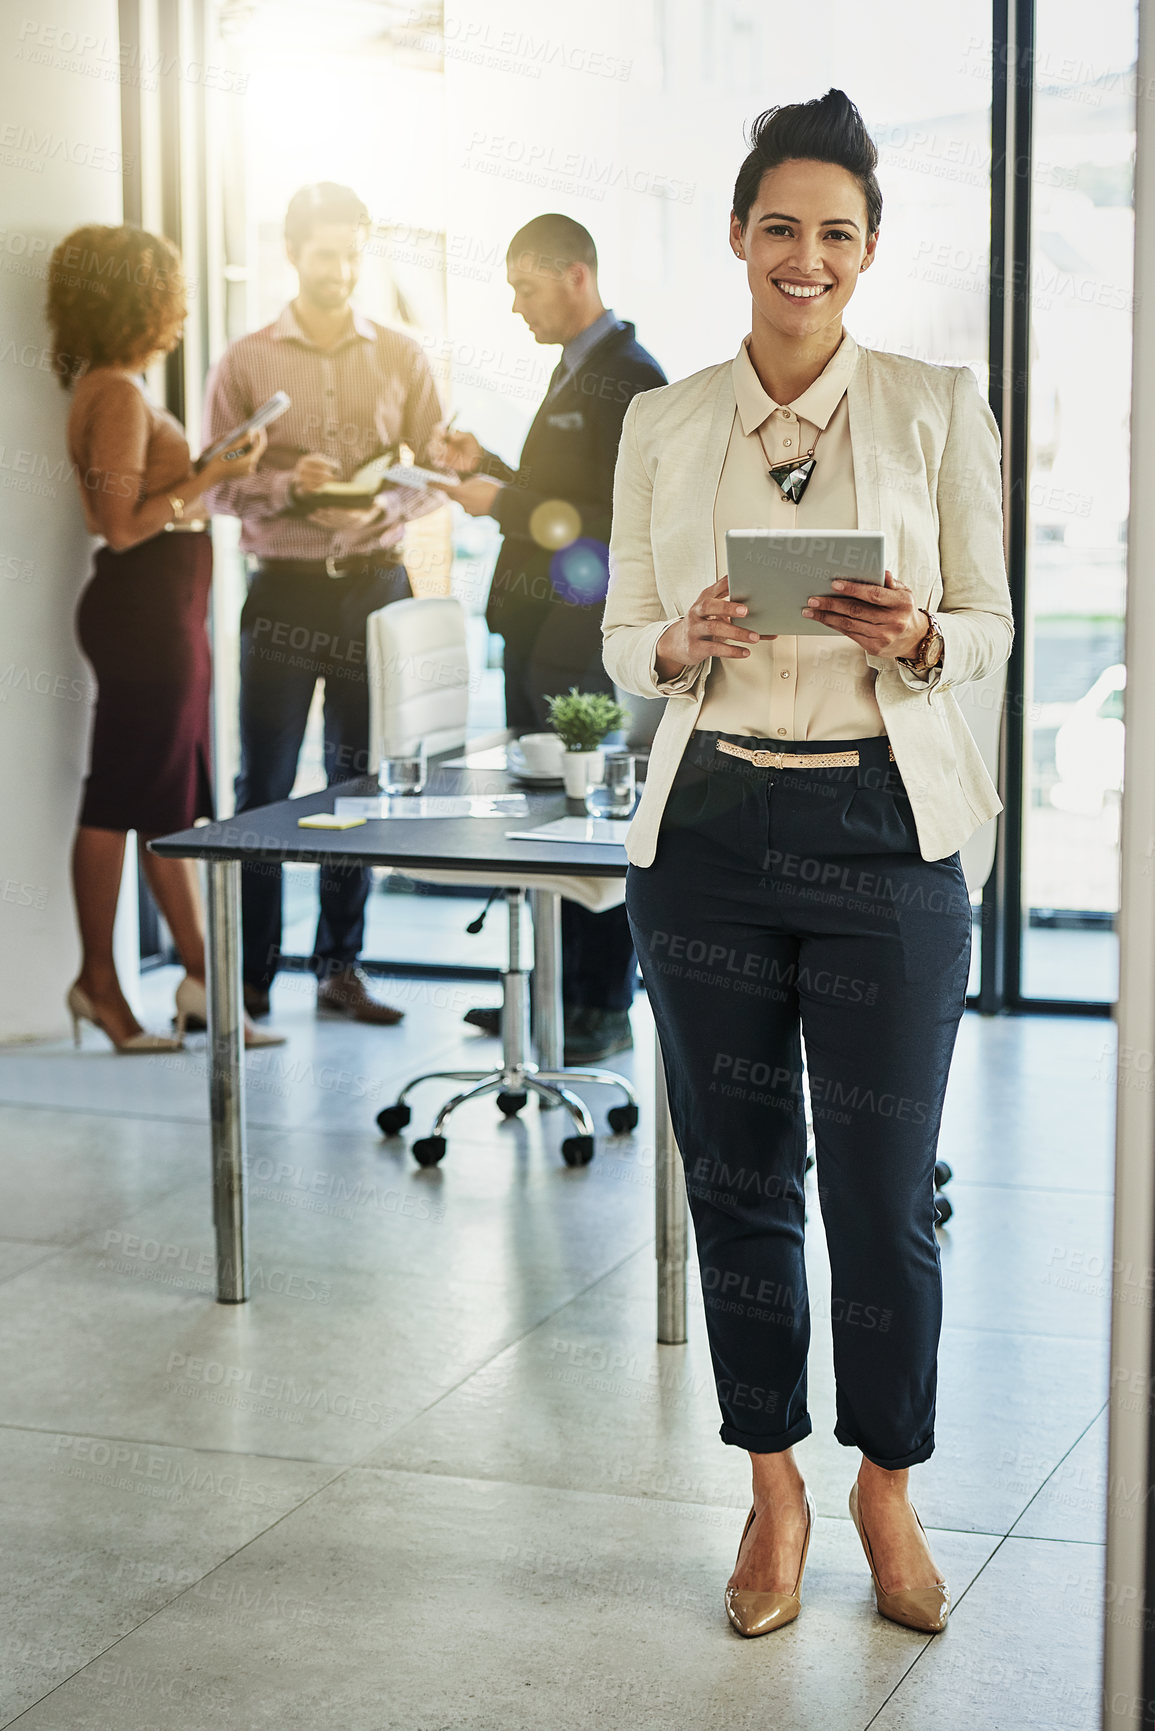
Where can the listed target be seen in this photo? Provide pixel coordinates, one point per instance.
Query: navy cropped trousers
(789, 908)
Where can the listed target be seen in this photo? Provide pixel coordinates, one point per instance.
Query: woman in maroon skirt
(116, 301)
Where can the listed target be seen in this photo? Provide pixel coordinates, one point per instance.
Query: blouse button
(785, 673)
(786, 414)
(788, 441)
(782, 730)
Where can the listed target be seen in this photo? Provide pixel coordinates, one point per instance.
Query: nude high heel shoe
(922, 1608)
(192, 1000)
(754, 1613)
(82, 1009)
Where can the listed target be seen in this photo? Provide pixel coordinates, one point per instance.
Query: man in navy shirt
(546, 600)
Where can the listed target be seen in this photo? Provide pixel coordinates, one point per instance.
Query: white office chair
(418, 676)
(516, 1076)
(419, 691)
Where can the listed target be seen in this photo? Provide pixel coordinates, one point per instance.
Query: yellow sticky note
(326, 820)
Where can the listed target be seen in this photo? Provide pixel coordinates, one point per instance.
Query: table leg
(227, 1077)
(670, 1216)
(545, 982)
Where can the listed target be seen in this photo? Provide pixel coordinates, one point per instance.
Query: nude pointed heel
(922, 1608)
(755, 1613)
(82, 1009)
(192, 1001)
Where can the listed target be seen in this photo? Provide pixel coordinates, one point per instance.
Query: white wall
(60, 165)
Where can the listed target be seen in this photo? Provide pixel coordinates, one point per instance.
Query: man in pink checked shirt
(357, 388)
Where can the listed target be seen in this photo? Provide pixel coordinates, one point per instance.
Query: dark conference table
(472, 845)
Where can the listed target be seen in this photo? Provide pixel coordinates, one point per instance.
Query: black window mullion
(1012, 46)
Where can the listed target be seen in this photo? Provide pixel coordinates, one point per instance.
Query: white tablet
(776, 571)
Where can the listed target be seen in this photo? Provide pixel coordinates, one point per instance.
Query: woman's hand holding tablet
(705, 630)
(880, 617)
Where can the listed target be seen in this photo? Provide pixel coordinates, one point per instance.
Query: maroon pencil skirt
(141, 621)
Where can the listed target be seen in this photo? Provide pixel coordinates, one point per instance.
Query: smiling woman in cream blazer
(794, 878)
(926, 472)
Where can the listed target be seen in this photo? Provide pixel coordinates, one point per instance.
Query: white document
(391, 805)
(601, 831)
(493, 758)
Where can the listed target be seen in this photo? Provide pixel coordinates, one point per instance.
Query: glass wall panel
(1080, 359)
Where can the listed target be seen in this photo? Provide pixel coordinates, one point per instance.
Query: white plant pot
(582, 770)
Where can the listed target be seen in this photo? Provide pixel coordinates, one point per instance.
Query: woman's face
(806, 229)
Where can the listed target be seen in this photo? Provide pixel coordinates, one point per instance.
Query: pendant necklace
(793, 475)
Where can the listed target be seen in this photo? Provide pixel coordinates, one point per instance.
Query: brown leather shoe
(348, 994)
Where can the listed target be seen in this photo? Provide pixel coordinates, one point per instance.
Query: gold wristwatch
(177, 504)
(928, 652)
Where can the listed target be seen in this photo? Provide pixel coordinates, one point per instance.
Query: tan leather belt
(794, 759)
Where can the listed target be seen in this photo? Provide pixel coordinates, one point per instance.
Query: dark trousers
(598, 965)
(786, 906)
(295, 630)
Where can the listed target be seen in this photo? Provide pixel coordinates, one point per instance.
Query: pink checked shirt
(372, 389)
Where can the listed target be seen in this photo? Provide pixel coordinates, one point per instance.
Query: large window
(1077, 484)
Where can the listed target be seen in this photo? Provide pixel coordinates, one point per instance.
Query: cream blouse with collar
(818, 687)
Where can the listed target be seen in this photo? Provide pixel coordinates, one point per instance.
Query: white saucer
(517, 767)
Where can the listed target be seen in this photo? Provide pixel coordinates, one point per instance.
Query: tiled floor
(438, 1476)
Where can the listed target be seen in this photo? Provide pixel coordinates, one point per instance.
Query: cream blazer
(927, 471)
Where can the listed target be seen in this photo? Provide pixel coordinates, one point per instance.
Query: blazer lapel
(876, 504)
(861, 417)
(699, 472)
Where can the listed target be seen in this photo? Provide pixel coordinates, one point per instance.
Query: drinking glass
(403, 772)
(614, 795)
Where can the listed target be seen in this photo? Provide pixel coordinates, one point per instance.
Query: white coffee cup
(542, 753)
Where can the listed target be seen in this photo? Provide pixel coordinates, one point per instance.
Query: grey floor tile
(16, 1254)
(99, 1534)
(445, 1605)
(536, 1228)
(1022, 1651)
(1072, 1502)
(542, 1499)
(332, 1074)
(1028, 1260)
(1031, 1101)
(65, 1172)
(124, 1344)
(647, 1417)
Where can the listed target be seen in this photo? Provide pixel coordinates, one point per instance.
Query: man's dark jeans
(296, 629)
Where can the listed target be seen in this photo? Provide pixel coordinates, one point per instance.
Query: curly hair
(115, 295)
(828, 129)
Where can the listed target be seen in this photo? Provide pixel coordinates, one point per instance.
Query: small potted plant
(581, 720)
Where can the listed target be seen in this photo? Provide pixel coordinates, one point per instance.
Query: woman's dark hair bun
(827, 129)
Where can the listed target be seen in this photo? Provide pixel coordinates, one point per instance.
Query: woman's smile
(801, 291)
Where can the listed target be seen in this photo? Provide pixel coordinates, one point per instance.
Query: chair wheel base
(577, 1150)
(428, 1150)
(623, 1119)
(943, 1210)
(392, 1119)
(511, 1104)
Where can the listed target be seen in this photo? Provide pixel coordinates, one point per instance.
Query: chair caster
(623, 1119)
(511, 1104)
(942, 1210)
(392, 1119)
(577, 1150)
(942, 1174)
(428, 1150)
